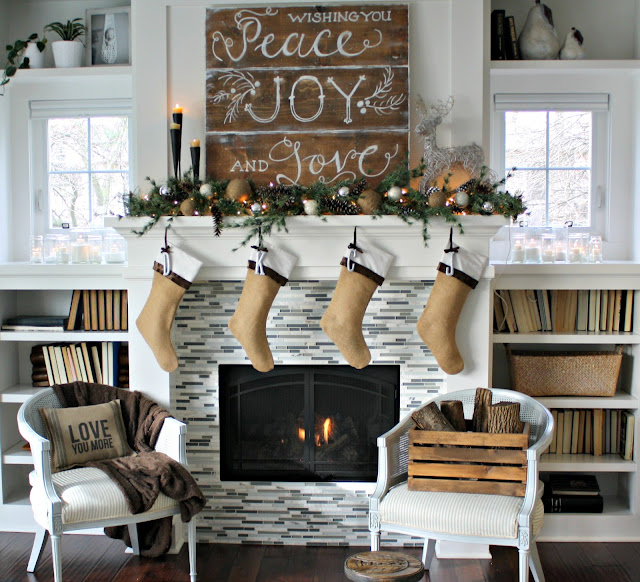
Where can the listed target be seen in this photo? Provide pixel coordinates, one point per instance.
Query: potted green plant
(67, 52)
(23, 54)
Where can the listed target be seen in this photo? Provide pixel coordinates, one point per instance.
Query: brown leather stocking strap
(277, 277)
(173, 277)
(368, 273)
(470, 281)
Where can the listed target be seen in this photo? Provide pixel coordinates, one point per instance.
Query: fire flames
(301, 434)
(320, 439)
(326, 427)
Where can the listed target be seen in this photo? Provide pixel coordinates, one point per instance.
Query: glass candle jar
(63, 249)
(80, 248)
(595, 249)
(577, 250)
(114, 248)
(95, 248)
(517, 250)
(533, 249)
(37, 249)
(548, 248)
(50, 248)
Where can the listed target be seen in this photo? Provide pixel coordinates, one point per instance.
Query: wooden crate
(468, 462)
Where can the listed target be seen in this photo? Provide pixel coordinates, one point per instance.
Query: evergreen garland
(270, 205)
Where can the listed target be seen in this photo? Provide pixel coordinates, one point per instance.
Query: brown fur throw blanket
(143, 476)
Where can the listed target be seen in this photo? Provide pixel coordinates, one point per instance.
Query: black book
(36, 321)
(498, 50)
(511, 39)
(573, 484)
(573, 504)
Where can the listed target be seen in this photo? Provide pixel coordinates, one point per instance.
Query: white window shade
(80, 108)
(551, 102)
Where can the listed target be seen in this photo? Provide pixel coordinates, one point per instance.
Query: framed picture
(109, 36)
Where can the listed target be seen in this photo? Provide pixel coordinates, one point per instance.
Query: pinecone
(279, 194)
(216, 215)
(339, 205)
(358, 188)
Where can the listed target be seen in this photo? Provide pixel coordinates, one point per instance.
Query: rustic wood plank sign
(299, 94)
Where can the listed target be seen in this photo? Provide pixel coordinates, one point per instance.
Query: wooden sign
(300, 94)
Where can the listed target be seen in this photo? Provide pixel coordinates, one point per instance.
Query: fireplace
(305, 423)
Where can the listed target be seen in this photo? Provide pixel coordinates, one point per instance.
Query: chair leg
(133, 535)
(192, 549)
(428, 552)
(56, 552)
(42, 535)
(375, 541)
(534, 562)
(523, 567)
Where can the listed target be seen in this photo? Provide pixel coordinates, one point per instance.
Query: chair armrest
(172, 440)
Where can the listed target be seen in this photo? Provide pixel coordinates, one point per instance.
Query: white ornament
(343, 191)
(256, 207)
(206, 189)
(165, 190)
(310, 207)
(462, 199)
(394, 193)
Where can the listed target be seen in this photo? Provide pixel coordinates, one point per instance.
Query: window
(81, 161)
(555, 149)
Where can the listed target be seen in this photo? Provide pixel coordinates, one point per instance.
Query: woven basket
(564, 373)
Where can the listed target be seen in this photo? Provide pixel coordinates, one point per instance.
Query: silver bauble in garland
(256, 207)
(343, 191)
(395, 193)
(165, 190)
(310, 207)
(206, 190)
(462, 199)
(487, 207)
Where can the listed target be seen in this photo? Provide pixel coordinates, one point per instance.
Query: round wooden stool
(383, 567)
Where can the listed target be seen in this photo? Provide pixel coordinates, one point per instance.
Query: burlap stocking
(363, 270)
(458, 272)
(267, 272)
(157, 315)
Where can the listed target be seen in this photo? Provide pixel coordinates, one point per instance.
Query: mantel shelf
(564, 66)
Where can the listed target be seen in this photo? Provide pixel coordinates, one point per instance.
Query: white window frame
(40, 112)
(599, 105)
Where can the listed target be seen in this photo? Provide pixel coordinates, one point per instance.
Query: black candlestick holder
(195, 162)
(176, 144)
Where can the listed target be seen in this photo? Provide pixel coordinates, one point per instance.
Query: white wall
(5, 206)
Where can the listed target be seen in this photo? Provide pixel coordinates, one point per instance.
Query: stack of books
(98, 310)
(35, 323)
(563, 310)
(504, 39)
(572, 493)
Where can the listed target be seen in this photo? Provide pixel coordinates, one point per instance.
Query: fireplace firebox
(305, 423)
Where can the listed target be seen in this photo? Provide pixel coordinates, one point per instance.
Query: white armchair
(86, 497)
(462, 517)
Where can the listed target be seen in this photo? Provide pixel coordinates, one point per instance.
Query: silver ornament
(256, 207)
(310, 207)
(343, 191)
(206, 189)
(462, 199)
(165, 190)
(487, 206)
(394, 193)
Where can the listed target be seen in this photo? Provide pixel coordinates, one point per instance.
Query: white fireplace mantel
(318, 243)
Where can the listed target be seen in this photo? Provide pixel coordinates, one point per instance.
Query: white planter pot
(67, 53)
(36, 58)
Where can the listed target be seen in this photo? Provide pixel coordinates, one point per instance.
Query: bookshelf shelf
(16, 455)
(578, 337)
(18, 393)
(586, 464)
(619, 401)
(63, 336)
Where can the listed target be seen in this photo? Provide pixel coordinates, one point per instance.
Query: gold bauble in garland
(238, 189)
(369, 201)
(188, 207)
(437, 199)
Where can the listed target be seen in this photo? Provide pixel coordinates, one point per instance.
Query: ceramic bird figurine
(539, 39)
(572, 47)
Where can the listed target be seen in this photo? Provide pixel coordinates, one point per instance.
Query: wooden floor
(99, 559)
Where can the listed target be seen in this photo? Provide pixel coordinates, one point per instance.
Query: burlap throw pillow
(85, 433)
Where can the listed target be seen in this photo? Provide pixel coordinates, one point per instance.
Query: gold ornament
(369, 201)
(238, 189)
(437, 199)
(188, 207)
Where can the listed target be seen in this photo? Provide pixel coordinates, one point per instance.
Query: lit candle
(547, 256)
(596, 254)
(177, 109)
(115, 255)
(561, 254)
(532, 252)
(517, 256)
(576, 255)
(195, 143)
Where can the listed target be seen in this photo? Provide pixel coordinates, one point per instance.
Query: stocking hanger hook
(166, 253)
(353, 250)
(451, 249)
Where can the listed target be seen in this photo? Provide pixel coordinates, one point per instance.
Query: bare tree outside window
(88, 169)
(551, 151)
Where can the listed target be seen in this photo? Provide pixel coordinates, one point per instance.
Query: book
(616, 310)
(93, 300)
(560, 435)
(75, 362)
(604, 302)
(81, 366)
(60, 364)
(75, 311)
(598, 423)
(87, 362)
(627, 427)
(106, 377)
(572, 311)
(519, 312)
(498, 49)
(54, 365)
(498, 312)
(568, 431)
(86, 310)
(47, 362)
(102, 323)
(8, 327)
(583, 310)
(611, 303)
(117, 300)
(95, 358)
(532, 304)
(35, 323)
(573, 504)
(554, 436)
(68, 364)
(508, 311)
(512, 48)
(108, 299)
(572, 484)
(615, 432)
(591, 325)
(628, 311)
(124, 317)
(575, 431)
(581, 430)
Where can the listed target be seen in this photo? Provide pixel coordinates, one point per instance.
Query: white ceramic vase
(36, 58)
(67, 53)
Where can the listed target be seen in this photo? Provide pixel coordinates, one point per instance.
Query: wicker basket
(564, 373)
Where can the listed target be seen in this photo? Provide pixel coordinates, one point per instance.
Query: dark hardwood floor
(99, 559)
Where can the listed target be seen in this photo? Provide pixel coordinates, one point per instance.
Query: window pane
(107, 191)
(525, 139)
(69, 199)
(109, 143)
(532, 184)
(569, 197)
(68, 145)
(570, 139)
